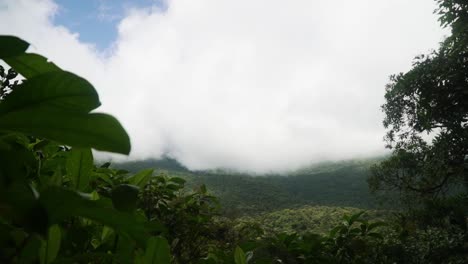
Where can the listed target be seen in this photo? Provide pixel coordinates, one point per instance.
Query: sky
(253, 85)
(96, 20)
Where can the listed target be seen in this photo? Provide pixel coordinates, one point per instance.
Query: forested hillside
(330, 183)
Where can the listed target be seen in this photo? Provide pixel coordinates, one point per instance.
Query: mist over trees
(57, 205)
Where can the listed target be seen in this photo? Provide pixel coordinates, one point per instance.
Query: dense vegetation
(329, 183)
(430, 99)
(58, 206)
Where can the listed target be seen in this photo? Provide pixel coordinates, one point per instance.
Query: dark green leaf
(125, 249)
(12, 46)
(62, 204)
(141, 178)
(157, 251)
(125, 197)
(177, 180)
(50, 248)
(29, 254)
(355, 217)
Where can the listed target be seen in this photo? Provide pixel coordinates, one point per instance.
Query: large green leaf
(141, 178)
(55, 104)
(99, 131)
(157, 251)
(60, 91)
(11, 46)
(31, 64)
(12, 51)
(80, 167)
(50, 248)
(61, 204)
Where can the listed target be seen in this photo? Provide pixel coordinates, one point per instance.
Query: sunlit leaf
(30, 64)
(79, 167)
(239, 256)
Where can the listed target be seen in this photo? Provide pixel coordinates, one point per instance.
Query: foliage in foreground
(52, 198)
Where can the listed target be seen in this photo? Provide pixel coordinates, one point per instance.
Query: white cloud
(256, 85)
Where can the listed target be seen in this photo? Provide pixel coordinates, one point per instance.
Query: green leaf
(60, 91)
(177, 180)
(239, 256)
(30, 250)
(141, 178)
(30, 64)
(17, 197)
(61, 204)
(55, 105)
(174, 187)
(99, 131)
(56, 178)
(16, 161)
(124, 253)
(157, 251)
(125, 197)
(50, 248)
(355, 217)
(11, 46)
(335, 230)
(79, 167)
(106, 233)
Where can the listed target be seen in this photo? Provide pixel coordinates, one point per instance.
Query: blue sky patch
(96, 20)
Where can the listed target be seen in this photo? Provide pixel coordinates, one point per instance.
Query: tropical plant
(49, 205)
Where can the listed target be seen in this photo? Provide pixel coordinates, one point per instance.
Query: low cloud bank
(252, 85)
